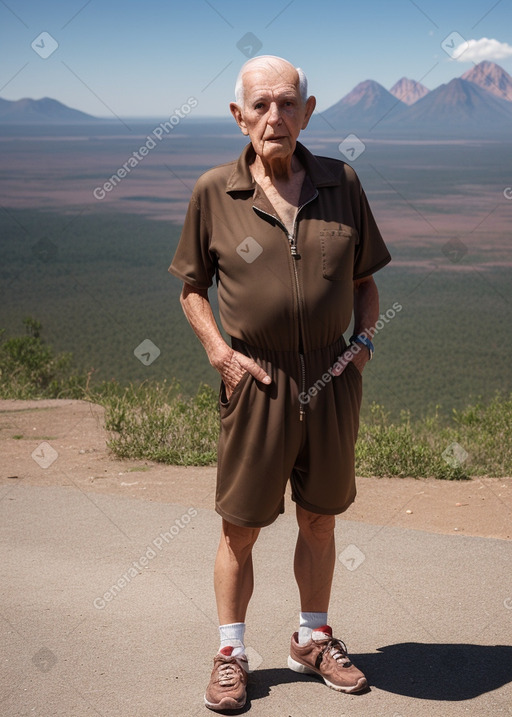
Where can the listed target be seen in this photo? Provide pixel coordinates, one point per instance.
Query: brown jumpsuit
(286, 301)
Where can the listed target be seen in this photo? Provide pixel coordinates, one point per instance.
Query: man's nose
(274, 114)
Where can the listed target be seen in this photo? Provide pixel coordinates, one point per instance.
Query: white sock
(310, 621)
(232, 635)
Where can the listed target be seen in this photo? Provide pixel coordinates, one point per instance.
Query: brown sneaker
(325, 656)
(227, 688)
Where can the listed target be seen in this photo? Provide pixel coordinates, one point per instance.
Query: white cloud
(483, 49)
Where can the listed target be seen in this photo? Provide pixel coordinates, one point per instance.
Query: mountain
(408, 91)
(367, 105)
(45, 111)
(460, 105)
(491, 77)
(460, 108)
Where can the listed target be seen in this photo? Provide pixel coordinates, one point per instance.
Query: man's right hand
(233, 365)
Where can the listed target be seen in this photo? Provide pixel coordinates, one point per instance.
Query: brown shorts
(264, 443)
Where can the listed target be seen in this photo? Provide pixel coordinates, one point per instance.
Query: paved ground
(107, 609)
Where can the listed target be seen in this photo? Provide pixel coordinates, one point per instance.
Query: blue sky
(129, 58)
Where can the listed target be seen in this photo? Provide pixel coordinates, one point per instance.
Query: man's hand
(359, 358)
(233, 365)
(366, 314)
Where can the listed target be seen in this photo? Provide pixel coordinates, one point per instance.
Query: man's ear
(237, 114)
(310, 108)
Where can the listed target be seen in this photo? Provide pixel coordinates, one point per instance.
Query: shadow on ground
(444, 672)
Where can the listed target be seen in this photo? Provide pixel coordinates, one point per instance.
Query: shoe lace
(228, 674)
(337, 650)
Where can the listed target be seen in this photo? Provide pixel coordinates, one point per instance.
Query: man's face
(273, 111)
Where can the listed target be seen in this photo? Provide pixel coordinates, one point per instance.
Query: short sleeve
(193, 262)
(371, 251)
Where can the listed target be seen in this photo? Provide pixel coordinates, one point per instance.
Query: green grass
(30, 368)
(154, 421)
(474, 442)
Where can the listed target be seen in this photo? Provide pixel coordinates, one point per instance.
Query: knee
(239, 540)
(316, 525)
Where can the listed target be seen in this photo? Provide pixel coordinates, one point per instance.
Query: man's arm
(231, 364)
(366, 314)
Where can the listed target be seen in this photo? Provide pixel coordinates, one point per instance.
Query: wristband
(365, 341)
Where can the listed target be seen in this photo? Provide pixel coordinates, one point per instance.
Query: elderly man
(292, 243)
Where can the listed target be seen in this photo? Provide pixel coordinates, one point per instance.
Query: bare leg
(233, 574)
(314, 559)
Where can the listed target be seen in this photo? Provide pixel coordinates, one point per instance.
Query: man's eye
(258, 106)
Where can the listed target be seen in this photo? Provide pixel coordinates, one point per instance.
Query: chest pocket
(338, 251)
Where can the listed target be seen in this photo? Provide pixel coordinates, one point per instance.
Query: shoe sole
(306, 670)
(227, 703)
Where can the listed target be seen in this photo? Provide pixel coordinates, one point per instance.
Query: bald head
(273, 64)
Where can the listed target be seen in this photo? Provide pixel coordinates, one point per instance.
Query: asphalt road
(107, 608)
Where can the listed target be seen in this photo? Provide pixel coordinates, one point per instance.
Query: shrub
(481, 435)
(154, 421)
(404, 449)
(30, 369)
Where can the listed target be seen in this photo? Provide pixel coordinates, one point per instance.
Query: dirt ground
(63, 442)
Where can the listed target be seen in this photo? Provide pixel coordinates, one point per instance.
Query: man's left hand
(361, 358)
(358, 358)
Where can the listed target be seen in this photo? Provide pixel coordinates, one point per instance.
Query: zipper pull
(293, 247)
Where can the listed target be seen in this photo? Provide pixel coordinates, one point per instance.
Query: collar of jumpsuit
(316, 175)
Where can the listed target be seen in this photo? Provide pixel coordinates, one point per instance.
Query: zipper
(292, 241)
(295, 255)
(302, 410)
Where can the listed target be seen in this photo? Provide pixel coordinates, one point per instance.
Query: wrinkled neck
(281, 169)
